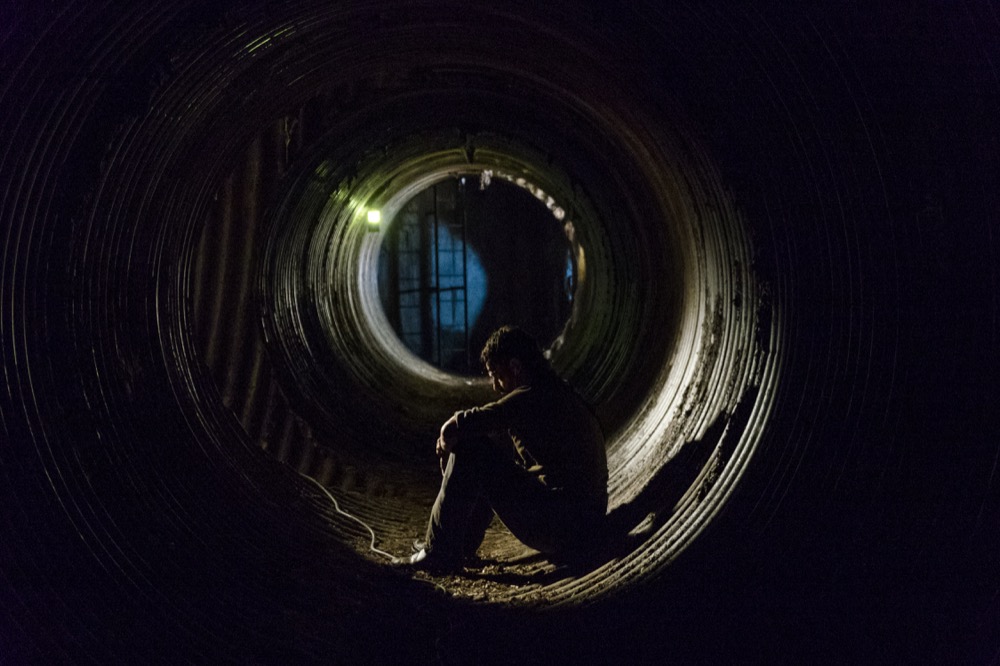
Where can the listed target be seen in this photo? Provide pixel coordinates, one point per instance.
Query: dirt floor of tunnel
(503, 572)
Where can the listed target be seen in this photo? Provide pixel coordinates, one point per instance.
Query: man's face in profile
(505, 375)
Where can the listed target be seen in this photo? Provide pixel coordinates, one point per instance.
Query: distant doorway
(463, 257)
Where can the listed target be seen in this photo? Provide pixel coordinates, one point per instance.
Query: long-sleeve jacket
(555, 434)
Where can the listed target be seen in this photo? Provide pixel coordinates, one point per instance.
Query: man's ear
(515, 366)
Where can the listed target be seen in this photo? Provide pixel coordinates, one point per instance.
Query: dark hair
(509, 342)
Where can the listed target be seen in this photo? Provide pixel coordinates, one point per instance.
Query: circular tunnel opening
(467, 255)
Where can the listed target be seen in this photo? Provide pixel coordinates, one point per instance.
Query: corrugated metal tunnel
(670, 330)
(192, 325)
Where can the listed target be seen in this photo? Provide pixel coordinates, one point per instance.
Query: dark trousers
(482, 478)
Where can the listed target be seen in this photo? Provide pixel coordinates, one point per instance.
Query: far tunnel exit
(467, 255)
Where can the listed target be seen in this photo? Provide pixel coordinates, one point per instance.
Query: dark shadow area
(656, 502)
(524, 251)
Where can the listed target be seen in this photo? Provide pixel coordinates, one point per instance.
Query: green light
(374, 216)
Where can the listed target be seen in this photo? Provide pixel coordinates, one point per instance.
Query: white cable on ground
(336, 505)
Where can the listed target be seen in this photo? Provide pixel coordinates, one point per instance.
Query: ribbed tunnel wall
(789, 339)
(670, 331)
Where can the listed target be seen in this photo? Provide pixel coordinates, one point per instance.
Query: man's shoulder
(516, 395)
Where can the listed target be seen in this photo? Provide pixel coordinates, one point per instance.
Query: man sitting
(535, 457)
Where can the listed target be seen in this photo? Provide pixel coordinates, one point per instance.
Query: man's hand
(446, 440)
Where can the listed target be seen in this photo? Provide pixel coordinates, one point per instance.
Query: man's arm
(447, 439)
(478, 421)
(494, 417)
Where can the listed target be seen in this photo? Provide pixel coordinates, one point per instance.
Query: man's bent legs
(480, 479)
(461, 513)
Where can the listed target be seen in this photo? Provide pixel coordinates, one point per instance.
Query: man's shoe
(468, 554)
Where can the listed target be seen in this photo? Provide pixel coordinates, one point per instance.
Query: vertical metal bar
(423, 249)
(437, 278)
(465, 279)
